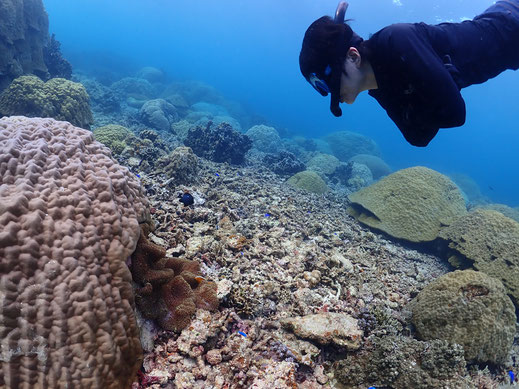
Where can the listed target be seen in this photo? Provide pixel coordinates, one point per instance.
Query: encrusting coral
(171, 289)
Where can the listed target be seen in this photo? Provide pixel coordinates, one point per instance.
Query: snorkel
(335, 79)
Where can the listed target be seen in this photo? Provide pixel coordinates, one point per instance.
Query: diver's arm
(440, 104)
(417, 134)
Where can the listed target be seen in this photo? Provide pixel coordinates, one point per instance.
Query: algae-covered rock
(309, 181)
(400, 362)
(113, 136)
(468, 308)
(411, 204)
(490, 242)
(57, 98)
(327, 328)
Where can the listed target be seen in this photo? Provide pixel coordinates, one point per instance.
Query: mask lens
(318, 84)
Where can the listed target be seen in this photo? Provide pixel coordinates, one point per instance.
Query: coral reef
(346, 144)
(411, 204)
(69, 219)
(402, 363)
(283, 163)
(353, 175)
(113, 136)
(158, 114)
(133, 86)
(309, 181)
(512, 213)
(180, 166)
(102, 99)
(265, 139)
(24, 32)
(468, 308)
(57, 66)
(151, 74)
(323, 164)
(219, 143)
(170, 289)
(275, 253)
(489, 241)
(57, 98)
(378, 167)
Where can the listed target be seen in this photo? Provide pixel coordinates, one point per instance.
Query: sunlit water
(249, 51)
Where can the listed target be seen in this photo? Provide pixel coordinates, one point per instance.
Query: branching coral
(170, 289)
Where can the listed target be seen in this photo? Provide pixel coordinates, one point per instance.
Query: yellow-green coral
(468, 308)
(490, 242)
(411, 204)
(309, 181)
(57, 98)
(113, 136)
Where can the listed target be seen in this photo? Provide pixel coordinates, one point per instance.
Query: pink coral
(69, 218)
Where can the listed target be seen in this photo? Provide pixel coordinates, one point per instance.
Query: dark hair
(326, 42)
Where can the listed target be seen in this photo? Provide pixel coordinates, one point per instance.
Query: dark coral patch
(170, 289)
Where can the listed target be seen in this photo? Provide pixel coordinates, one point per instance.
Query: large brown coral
(69, 219)
(171, 289)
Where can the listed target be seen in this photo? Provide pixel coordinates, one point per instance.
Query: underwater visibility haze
(249, 51)
(180, 209)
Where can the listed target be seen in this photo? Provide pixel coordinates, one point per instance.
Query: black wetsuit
(421, 68)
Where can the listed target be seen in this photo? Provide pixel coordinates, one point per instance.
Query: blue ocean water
(249, 51)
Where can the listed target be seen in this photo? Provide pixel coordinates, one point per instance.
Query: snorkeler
(414, 70)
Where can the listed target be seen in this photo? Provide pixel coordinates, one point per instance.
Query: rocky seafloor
(308, 296)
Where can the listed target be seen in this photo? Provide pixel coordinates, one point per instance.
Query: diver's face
(352, 77)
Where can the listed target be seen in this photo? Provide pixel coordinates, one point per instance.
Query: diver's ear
(353, 56)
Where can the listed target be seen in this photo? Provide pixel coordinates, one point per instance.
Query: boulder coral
(218, 143)
(411, 204)
(323, 164)
(69, 220)
(378, 167)
(170, 289)
(159, 114)
(468, 308)
(113, 136)
(346, 144)
(488, 241)
(57, 98)
(309, 181)
(181, 165)
(265, 138)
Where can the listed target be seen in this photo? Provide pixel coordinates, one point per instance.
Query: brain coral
(57, 98)
(488, 240)
(69, 219)
(468, 308)
(411, 204)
